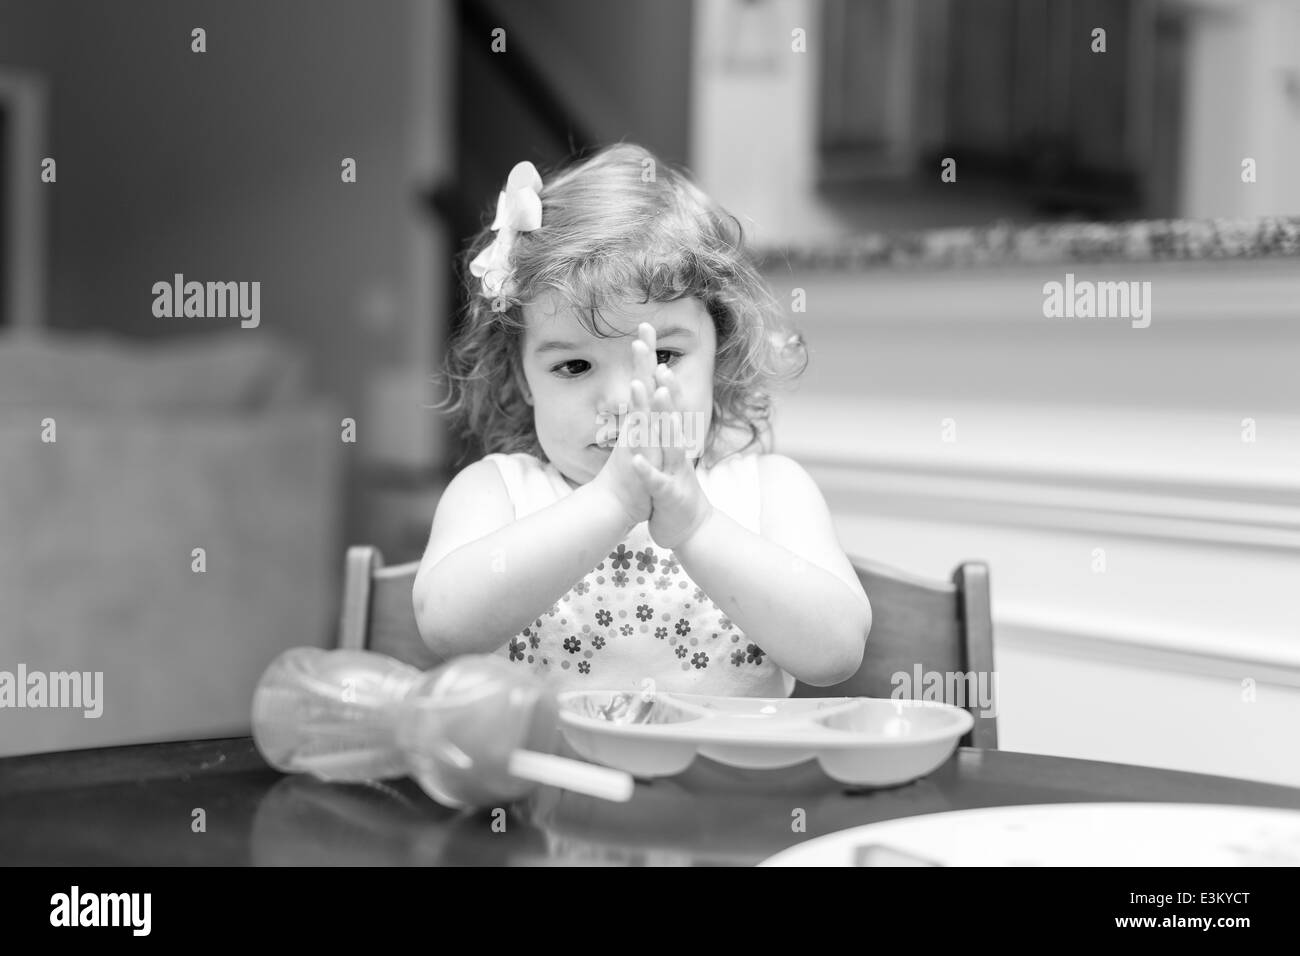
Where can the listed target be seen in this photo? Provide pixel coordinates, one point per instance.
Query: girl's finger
(639, 402)
(645, 366)
(643, 369)
(639, 421)
(676, 395)
(651, 478)
(661, 409)
(642, 362)
(663, 377)
(642, 472)
(673, 438)
(674, 387)
(697, 419)
(648, 424)
(677, 405)
(629, 433)
(675, 450)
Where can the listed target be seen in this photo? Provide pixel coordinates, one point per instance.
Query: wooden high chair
(928, 640)
(927, 637)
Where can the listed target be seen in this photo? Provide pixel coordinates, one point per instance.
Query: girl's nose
(615, 395)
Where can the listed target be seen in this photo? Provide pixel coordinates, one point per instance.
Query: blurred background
(176, 494)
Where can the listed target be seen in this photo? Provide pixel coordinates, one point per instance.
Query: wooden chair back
(928, 640)
(919, 628)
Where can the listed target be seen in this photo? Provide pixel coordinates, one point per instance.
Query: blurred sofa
(209, 442)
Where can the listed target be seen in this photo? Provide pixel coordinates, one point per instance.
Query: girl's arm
(791, 590)
(485, 576)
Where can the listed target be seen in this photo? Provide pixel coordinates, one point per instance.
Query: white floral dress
(637, 614)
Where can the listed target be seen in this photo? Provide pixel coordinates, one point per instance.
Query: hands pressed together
(648, 471)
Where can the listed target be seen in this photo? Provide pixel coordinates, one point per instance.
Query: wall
(225, 166)
(622, 68)
(1242, 99)
(753, 136)
(1143, 554)
(1184, 651)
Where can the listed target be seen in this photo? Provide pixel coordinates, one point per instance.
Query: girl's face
(577, 381)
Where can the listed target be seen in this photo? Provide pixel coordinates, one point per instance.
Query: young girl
(617, 348)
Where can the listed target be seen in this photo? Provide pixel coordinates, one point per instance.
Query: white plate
(1065, 834)
(861, 741)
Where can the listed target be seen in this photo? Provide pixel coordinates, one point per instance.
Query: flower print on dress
(754, 654)
(620, 579)
(621, 558)
(626, 630)
(517, 648)
(604, 618)
(584, 667)
(683, 627)
(700, 660)
(681, 650)
(645, 560)
(582, 587)
(661, 632)
(644, 612)
(598, 642)
(700, 595)
(724, 622)
(663, 583)
(737, 657)
(572, 644)
(669, 564)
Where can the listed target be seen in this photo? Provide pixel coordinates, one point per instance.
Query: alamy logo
(102, 909)
(964, 689)
(686, 430)
(1098, 300)
(211, 300)
(75, 689)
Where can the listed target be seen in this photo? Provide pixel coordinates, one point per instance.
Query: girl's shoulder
(780, 476)
(758, 481)
(735, 485)
(520, 461)
(767, 469)
(479, 482)
(530, 483)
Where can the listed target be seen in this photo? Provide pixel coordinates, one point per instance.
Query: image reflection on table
(671, 821)
(137, 805)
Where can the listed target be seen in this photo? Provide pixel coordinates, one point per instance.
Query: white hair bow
(519, 209)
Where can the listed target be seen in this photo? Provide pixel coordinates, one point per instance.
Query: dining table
(218, 803)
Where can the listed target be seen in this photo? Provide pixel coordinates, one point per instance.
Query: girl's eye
(564, 368)
(567, 370)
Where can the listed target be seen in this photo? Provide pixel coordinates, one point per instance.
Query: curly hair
(615, 224)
